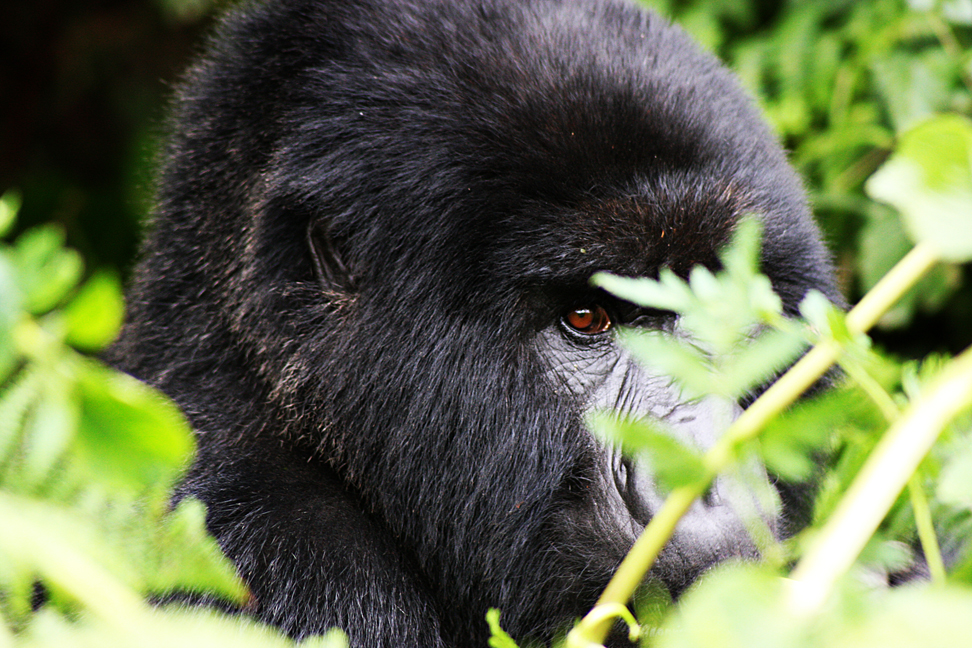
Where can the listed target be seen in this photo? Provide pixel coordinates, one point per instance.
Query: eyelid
(650, 318)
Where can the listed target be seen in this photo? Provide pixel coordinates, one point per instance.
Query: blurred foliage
(88, 461)
(840, 81)
(84, 84)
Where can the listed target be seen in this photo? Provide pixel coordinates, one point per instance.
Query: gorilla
(366, 283)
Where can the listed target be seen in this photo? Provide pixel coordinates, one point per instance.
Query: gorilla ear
(330, 269)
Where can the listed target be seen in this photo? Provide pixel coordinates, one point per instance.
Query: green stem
(919, 502)
(877, 486)
(926, 530)
(874, 390)
(891, 288)
(773, 401)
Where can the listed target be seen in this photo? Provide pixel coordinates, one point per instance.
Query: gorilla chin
(366, 283)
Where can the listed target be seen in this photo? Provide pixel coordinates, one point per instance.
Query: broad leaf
(929, 180)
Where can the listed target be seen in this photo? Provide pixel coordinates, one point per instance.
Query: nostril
(620, 473)
(711, 496)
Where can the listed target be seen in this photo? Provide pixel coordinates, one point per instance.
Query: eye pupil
(588, 320)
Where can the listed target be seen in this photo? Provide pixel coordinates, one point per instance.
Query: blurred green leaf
(96, 312)
(741, 257)
(673, 464)
(929, 180)
(914, 86)
(48, 541)
(674, 357)
(47, 271)
(15, 401)
(756, 363)
(10, 310)
(130, 436)
(50, 426)
(883, 242)
(739, 606)
(902, 617)
(10, 203)
(955, 483)
(792, 445)
(191, 559)
(958, 11)
(669, 292)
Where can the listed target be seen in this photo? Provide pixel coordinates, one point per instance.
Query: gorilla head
(367, 285)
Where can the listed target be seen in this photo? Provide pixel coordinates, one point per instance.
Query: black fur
(371, 217)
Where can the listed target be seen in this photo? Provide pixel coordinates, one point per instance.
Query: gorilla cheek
(602, 376)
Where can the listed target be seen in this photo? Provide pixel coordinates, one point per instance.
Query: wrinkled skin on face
(602, 375)
(375, 228)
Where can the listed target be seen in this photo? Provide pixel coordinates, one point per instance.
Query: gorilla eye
(588, 320)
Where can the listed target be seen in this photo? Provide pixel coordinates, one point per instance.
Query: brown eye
(588, 320)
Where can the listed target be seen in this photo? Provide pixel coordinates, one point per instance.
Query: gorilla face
(367, 285)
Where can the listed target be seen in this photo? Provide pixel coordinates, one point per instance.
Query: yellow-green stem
(919, 502)
(926, 530)
(880, 481)
(774, 400)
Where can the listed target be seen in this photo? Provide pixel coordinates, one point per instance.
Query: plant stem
(916, 493)
(891, 288)
(879, 483)
(926, 530)
(773, 401)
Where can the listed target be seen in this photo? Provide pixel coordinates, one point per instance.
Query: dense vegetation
(870, 98)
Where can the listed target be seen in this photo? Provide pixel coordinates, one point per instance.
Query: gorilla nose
(720, 520)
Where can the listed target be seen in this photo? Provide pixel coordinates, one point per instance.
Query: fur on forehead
(676, 224)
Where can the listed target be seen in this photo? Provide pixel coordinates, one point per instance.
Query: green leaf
(929, 180)
(673, 464)
(791, 445)
(669, 355)
(46, 270)
(914, 85)
(10, 203)
(741, 257)
(131, 436)
(50, 426)
(667, 293)
(735, 606)
(756, 363)
(67, 551)
(955, 483)
(333, 638)
(95, 314)
(497, 636)
(883, 242)
(15, 403)
(900, 617)
(10, 305)
(958, 11)
(191, 561)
